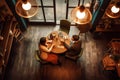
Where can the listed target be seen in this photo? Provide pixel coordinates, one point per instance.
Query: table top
(115, 44)
(59, 47)
(108, 62)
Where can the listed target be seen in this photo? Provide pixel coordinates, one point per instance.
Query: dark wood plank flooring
(22, 64)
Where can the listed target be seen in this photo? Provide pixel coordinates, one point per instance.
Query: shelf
(8, 49)
(5, 34)
(98, 29)
(8, 24)
(109, 28)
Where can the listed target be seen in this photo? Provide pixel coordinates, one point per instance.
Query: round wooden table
(59, 47)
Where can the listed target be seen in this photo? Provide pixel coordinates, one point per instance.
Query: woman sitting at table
(75, 46)
(45, 51)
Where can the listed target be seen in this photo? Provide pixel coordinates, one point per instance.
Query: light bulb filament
(80, 15)
(26, 6)
(114, 9)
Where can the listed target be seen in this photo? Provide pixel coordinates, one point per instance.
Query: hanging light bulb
(113, 10)
(81, 15)
(26, 8)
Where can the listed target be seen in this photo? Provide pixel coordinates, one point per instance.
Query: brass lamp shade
(86, 15)
(113, 14)
(29, 12)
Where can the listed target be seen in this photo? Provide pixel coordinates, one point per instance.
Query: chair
(108, 63)
(65, 25)
(75, 58)
(37, 57)
(18, 35)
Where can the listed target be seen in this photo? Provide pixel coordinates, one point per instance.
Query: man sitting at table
(75, 46)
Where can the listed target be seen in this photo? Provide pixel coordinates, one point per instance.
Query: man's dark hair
(75, 37)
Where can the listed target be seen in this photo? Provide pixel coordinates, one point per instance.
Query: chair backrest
(37, 55)
(65, 25)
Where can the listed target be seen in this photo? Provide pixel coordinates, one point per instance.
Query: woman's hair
(42, 41)
(75, 37)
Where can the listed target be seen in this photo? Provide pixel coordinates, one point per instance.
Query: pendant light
(113, 10)
(81, 14)
(26, 8)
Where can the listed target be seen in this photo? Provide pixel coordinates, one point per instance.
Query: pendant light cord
(82, 2)
(78, 2)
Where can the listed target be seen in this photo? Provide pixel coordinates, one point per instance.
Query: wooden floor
(23, 65)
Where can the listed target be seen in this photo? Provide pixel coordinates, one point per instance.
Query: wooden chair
(18, 35)
(75, 58)
(108, 63)
(37, 57)
(65, 25)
